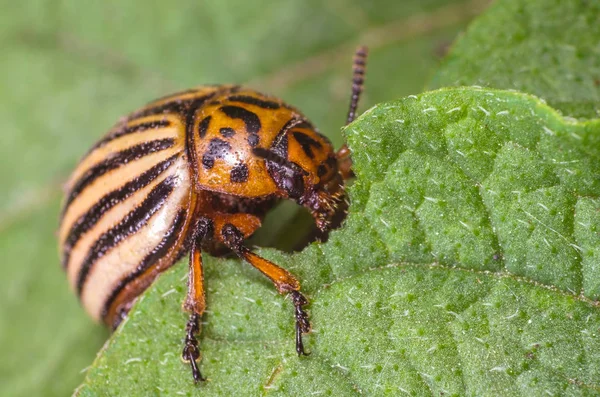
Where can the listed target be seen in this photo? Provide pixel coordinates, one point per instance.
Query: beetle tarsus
(302, 323)
(191, 353)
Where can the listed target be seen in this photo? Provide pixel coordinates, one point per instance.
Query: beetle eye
(289, 181)
(287, 175)
(294, 185)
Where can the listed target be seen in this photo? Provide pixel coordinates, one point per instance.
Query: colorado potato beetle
(190, 172)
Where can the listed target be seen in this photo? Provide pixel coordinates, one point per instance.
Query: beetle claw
(302, 323)
(191, 353)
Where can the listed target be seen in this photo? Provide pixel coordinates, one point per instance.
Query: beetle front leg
(191, 352)
(302, 323)
(195, 302)
(284, 281)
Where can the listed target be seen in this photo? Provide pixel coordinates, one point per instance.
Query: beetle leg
(284, 281)
(195, 301)
(191, 353)
(302, 323)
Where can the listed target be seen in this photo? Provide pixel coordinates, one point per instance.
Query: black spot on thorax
(217, 149)
(250, 119)
(239, 173)
(227, 132)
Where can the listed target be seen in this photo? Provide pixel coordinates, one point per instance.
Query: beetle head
(326, 200)
(320, 189)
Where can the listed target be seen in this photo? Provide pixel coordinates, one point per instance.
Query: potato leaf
(466, 266)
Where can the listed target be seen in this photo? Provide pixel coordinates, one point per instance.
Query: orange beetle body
(196, 170)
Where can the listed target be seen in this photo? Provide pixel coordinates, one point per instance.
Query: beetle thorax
(241, 139)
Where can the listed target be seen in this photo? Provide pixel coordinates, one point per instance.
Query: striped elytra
(193, 171)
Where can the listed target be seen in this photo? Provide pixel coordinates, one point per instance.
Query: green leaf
(545, 47)
(70, 70)
(45, 338)
(467, 266)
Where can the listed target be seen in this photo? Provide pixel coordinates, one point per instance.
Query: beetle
(190, 172)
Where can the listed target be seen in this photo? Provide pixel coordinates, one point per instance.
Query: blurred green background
(70, 69)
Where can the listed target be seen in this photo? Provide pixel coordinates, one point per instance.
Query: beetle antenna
(359, 65)
(358, 78)
(270, 155)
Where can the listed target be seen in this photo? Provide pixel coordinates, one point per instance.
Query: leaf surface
(70, 70)
(547, 48)
(465, 267)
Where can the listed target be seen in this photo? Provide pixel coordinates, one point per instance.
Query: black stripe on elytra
(250, 119)
(254, 101)
(203, 126)
(86, 221)
(129, 225)
(150, 125)
(120, 158)
(179, 106)
(158, 252)
(239, 173)
(217, 149)
(307, 143)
